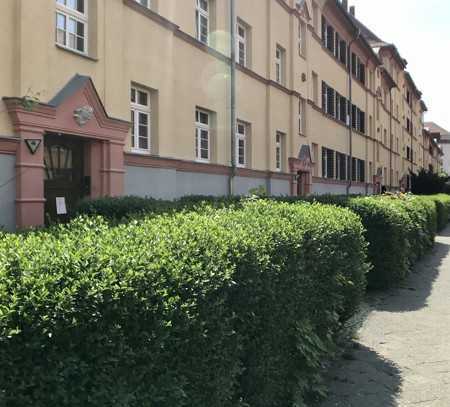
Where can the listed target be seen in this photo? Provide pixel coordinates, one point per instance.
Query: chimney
(345, 4)
(352, 11)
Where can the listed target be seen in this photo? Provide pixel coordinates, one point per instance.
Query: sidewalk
(402, 354)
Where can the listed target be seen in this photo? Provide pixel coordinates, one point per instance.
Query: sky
(421, 31)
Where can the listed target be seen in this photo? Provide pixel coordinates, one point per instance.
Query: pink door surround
(301, 169)
(77, 111)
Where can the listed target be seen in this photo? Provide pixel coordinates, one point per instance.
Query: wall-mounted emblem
(83, 114)
(33, 144)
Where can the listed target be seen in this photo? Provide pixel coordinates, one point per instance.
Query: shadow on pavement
(363, 378)
(413, 293)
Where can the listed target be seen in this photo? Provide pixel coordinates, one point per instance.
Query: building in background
(171, 98)
(441, 141)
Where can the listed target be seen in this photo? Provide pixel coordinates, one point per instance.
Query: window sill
(203, 161)
(141, 152)
(72, 51)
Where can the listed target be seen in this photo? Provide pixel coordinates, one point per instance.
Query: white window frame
(199, 13)
(241, 40)
(138, 109)
(72, 14)
(279, 65)
(199, 128)
(241, 136)
(279, 138)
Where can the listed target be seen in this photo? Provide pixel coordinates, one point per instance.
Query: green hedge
(400, 229)
(223, 308)
(442, 202)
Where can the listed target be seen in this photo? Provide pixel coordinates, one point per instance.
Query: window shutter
(337, 110)
(324, 97)
(343, 110)
(324, 162)
(330, 101)
(353, 63)
(343, 50)
(362, 73)
(324, 31)
(354, 120)
(330, 163)
(362, 122)
(330, 38)
(337, 45)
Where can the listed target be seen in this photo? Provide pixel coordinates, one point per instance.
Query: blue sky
(421, 31)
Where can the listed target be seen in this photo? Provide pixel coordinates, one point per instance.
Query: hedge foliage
(220, 308)
(400, 229)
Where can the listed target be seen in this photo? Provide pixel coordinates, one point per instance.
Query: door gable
(76, 109)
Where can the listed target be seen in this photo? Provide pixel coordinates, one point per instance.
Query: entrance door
(63, 159)
(301, 183)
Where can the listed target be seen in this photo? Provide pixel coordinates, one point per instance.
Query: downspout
(232, 96)
(391, 171)
(412, 143)
(350, 115)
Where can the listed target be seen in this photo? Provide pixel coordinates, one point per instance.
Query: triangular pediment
(76, 110)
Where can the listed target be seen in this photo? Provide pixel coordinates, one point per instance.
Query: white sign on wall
(61, 208)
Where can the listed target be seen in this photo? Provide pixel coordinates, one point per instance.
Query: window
(279, 151)
(343, 52)
(241, 144)
(341, 166)
(71, 24)
(358, 69)
(315, 88)
(202, 20)
(279, 65)
(202, 135)
(241, 44)
(301, 38)
(140, 119)
(327, 163)
(361, 171)
(301, 116)
(315, 156)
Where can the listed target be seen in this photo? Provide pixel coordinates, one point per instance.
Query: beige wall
(130, 47)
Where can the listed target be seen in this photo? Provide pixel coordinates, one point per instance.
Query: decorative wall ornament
(33, 144)
(83, 114)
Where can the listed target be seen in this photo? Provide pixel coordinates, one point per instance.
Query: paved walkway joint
(401, 356)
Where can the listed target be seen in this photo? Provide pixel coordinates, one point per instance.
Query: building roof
(432, 127)
(409, 78)
(365, 43)
(423, 106)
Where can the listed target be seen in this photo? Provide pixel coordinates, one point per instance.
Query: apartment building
(171, 98)
(439, 147)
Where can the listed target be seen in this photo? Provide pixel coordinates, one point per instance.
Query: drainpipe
(412, 142)
(232, 95)
(391, 172)
(350, 115)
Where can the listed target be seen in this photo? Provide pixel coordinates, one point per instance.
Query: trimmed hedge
(400, 229)
(224, 308)
(442, 202)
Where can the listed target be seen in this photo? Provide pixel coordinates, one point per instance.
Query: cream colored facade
(279, 92)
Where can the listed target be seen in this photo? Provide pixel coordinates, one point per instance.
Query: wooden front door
(64, 175)
(302, 181)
